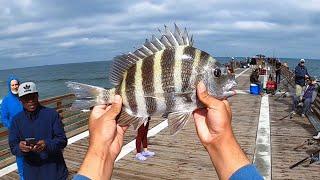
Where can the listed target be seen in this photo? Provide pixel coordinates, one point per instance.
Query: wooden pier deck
(183, 157)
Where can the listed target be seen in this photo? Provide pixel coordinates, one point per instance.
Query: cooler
(254, 89)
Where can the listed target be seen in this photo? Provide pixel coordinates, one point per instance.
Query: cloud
(254, 25)
(86, 41)
(26, 54)
(103, 29)
(23, 28)
(69, 31)
(308, 5)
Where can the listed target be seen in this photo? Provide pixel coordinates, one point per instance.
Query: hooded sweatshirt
(11, 105)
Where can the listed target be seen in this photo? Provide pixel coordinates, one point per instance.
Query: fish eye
(217, 72)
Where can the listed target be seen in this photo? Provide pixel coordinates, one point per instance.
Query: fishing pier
(271, 138)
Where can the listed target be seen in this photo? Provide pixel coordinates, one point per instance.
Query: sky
(43, 32)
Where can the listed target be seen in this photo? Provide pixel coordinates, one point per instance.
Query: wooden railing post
(59, 108)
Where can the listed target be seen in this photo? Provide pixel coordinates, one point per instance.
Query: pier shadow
(307, 126)
(283, 100)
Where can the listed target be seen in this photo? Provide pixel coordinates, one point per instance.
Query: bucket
(254, 89)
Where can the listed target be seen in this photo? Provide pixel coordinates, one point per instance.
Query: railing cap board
(56, 99)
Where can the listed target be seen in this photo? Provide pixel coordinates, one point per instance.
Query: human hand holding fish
(213, 125)
(106, 140)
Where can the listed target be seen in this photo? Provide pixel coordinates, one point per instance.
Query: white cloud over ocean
(38, 32)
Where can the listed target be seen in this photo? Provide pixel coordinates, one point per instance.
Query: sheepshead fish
(159, 79)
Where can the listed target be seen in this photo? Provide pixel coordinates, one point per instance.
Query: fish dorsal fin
(150, 47)
(177, 120)
(120, 64)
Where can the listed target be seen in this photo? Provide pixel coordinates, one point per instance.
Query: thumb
(204, 96)
(115, 108)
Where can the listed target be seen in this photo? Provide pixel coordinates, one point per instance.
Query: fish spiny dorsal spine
(150, 47)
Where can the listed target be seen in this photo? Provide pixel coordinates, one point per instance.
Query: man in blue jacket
(10, 107)
(301, 73)
(37, 134)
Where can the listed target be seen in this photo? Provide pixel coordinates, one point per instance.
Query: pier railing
(74, 123)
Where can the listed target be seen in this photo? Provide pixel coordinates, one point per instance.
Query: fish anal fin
(125, 119)
(177, 120)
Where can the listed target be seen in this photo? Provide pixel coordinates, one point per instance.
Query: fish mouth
(231, 83)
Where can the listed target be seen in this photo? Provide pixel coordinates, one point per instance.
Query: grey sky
(56, 32)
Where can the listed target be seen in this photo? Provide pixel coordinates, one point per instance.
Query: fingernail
(201, 87)
(117, 99)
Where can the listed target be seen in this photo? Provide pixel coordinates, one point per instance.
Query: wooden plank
(183, 157)
(286, 135)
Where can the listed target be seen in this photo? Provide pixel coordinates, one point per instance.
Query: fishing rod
(290, 115)
(287, 86)
(314, 157)
(308, 142)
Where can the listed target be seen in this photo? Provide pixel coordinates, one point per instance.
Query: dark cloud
(54, 32)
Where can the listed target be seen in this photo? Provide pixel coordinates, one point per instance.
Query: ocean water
(50, 80)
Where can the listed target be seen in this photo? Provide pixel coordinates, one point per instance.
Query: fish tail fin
(88, 96)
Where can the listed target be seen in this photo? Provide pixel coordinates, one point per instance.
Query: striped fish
(159, 79)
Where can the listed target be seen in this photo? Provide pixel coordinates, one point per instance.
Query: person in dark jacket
(37, 134)
(309, 95)
(9, 108)
(301, 73)
(254, 77)
(278, 72)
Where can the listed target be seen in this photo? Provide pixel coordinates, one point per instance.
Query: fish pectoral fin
(185, 95)
(177, 120)
(126, 119)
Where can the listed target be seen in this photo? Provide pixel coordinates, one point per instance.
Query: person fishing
(11, 106)
(271, 85)
(309, 95)
(254, 79)
(301, 74)
(141, 139)
(278, 71)
(213, 126)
